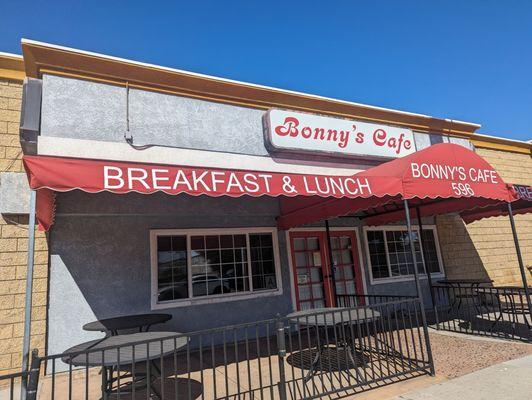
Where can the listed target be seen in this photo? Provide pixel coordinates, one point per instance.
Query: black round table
(323, 319)
(139, 321)
(120, 352)
(333, 316)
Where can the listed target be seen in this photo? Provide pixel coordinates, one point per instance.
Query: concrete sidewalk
(509, 380)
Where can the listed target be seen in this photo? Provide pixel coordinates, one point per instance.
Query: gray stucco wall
(100, 260)
(100, 265)
(79, 109)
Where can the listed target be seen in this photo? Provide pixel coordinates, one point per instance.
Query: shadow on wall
(484, 249)
(100, 262)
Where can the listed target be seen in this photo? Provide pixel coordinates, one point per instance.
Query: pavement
(508, 380)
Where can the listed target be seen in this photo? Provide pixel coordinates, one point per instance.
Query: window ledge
(215, 299)
(438, 275)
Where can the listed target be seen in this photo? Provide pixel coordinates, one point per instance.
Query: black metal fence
(500, 312)
(376, 342)
(10, 386)
(19, 385)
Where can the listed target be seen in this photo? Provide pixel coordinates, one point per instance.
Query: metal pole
(418, 287)
(281, 349)
(332, 268)
(520, 259)
(424, 253)
(412, 249)
(29, 292)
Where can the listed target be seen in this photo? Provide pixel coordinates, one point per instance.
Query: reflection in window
(390, 255)
(172, 268)
(214, 265)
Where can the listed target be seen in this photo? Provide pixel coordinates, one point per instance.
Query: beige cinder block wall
(14, 244)
(485, 249)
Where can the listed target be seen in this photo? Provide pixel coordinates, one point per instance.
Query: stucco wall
(485, 249)
(100, 265)
(154, 118)
(100, 260)
(14, 244)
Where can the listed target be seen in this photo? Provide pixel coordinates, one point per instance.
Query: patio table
(471, 284)
(325, 318)
(111, 326)
(506, 298)
(114, 353)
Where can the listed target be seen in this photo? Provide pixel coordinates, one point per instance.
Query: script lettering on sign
(291, 131)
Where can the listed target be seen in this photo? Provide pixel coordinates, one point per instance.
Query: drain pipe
(29, 293)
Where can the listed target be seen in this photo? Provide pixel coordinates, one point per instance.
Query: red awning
(521, 206)
(59, 174)
(440, 179)
(444, 171)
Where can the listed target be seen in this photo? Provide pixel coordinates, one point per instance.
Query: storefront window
(389, 252)
(206, 265)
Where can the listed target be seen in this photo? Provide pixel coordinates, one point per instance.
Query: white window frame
(219, 298)
(400, 278)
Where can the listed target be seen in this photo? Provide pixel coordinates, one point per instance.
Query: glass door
(310, 261)
(347, 274)
(310, 274)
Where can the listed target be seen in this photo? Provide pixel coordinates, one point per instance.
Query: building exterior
(207, 261)
(485, 248)
(14, 228)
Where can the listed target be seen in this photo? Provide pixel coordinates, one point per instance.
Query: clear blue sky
(468, 60)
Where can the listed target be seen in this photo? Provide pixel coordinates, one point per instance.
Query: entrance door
(314, 286)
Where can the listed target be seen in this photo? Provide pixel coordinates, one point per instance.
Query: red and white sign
(296, 132)
(524, 192)
(64, 174)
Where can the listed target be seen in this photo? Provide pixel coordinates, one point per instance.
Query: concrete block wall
(485, 249)
(14, 245)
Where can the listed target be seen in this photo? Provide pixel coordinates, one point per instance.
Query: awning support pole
(332, 279)
(520, 259)
(424, 253)
(418, 287)
(412, 249)
(29, 293)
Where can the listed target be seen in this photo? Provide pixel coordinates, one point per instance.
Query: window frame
(400, 278)
(218, 298)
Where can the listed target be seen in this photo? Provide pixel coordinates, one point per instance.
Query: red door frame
(324, 247)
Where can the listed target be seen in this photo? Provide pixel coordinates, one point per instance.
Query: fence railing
(334, 351)
(500, 312)
(20, 385)
(10, 386)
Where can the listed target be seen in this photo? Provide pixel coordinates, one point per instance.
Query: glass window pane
(313, 243)
(299, 244)
(197, 242)
(377, 253)
(262, 261)
(172, 275)
(226, 241)
(239, 240)
(212, 242)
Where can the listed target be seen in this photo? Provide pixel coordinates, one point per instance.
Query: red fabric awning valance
(521, 206)
(439, 179)
(443, 171)
(60, 174)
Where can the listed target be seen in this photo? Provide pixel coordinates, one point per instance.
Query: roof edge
(502, 144)
(12, 66)
(40, 56)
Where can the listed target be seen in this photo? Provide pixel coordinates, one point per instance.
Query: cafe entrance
(315, 286)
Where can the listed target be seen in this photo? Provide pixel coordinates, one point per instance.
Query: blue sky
(468, 60)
